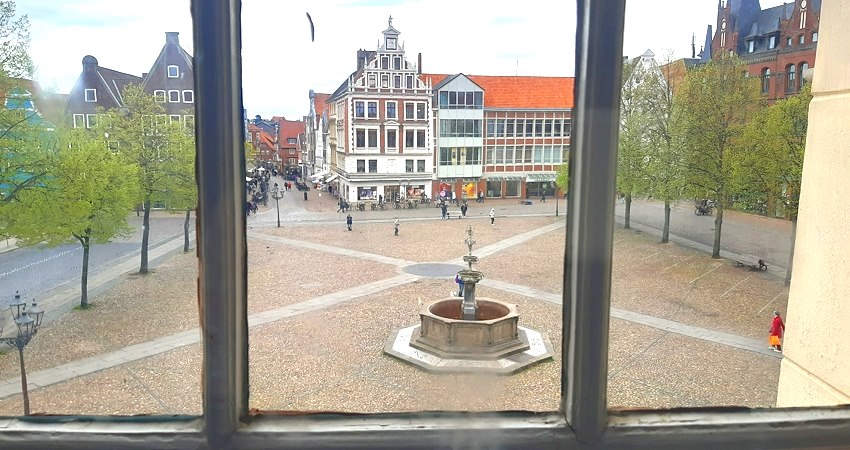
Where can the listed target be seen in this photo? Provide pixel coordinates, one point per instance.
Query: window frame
(176, 98)
(583, 419)
(190, 98)
(86, 93)
(176, 71)
(159, 96)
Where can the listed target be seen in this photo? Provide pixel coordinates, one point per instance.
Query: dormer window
(771, 42)
(751, 46)
(814, 36)
(802, 39)
(173, 71)
(91, 95)
(788, 41)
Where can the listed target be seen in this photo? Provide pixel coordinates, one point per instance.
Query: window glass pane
(101, 149)
(728, 211)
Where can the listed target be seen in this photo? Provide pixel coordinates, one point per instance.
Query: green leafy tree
(772, 162)
(631, 175)
(85, 198)
(664, 155)
(249, 155)
(23, 155)
(717, 100)
(145, 138)
(184, 194)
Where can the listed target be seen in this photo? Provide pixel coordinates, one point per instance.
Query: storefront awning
(500, 177)
(548, 176)
(332, 177)
(454, 180)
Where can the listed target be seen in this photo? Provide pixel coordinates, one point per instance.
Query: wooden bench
(753, 262)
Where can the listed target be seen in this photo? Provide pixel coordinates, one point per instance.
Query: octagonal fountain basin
(494, 333)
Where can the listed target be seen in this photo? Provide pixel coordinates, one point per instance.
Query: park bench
(754, 262)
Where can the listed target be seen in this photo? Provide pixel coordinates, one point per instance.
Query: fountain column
(469, 308)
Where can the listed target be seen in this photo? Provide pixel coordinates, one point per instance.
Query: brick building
(170, 81)
(778, 44)
(393, 130)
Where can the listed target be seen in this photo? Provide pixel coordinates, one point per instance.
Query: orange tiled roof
(290, 128)
(520, 92)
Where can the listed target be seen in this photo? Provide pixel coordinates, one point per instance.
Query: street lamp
(28, 323)
(276, 195)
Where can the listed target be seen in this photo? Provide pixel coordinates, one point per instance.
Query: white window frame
(377, 112)
(93, 98)
(363, 103)
(394, 148)
(172, 71)
(173, 96)
(582, 419)
(415, 109)
(188, 96)
(387, 109)
(159, 96)
(79, 121)
(174, 118)
(89, 119)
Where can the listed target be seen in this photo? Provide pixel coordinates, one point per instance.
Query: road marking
(771, 301)
(712, 270)
(58, 255)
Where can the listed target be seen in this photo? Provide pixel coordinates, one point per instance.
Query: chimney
(419, 63)
(171, 37)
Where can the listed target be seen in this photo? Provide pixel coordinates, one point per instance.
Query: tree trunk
(718, 225)
(84, 278)
(146, 230)
(791, 254)
(186, 231)
(628, 211)
(665, 232)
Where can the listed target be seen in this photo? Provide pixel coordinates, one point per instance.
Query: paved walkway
(136, 352)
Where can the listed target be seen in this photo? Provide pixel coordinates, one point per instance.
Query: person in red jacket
(777, 329)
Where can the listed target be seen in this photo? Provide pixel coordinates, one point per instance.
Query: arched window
(765, 80)
(791, 78)
(803, 67)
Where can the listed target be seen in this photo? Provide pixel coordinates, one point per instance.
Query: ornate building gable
(387, 69)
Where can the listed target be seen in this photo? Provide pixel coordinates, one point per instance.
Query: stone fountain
(470, 334)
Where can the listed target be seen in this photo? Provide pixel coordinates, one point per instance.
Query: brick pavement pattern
(337, 335)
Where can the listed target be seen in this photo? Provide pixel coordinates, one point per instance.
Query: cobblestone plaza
(686, 330)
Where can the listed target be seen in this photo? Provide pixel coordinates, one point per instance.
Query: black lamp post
(28, 323)
(277, 195)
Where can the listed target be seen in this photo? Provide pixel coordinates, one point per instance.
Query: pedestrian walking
(492, 216)
(463, 209)
(396, 226)
(480, 198)
(445, 209)
(777, 329)
(349, 221)
(543, 198)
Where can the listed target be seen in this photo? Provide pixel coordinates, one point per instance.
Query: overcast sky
(281, 64)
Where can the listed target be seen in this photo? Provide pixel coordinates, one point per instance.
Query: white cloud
(281, 64)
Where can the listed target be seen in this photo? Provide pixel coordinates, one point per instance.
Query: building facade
(380, 133)
(502, 136)
(778, 44)
(394, 131)
(170, 81)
